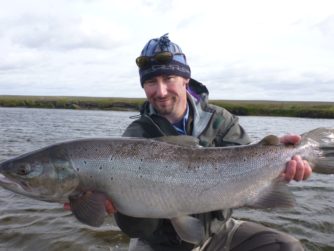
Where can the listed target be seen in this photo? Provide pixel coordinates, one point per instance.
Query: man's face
(168, 95)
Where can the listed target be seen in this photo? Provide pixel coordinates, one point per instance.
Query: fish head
(45, 174)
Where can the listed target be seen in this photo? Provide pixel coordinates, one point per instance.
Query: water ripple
(29, 225)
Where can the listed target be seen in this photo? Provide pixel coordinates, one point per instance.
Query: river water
(27, 224)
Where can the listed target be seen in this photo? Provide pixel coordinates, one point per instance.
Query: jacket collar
(201, 118)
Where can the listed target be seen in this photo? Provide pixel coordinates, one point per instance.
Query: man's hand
(110, 209)
(296, 169)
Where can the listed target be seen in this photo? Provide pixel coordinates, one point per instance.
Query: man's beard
(166, 109)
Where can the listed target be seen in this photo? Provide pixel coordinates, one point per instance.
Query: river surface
(27, 224)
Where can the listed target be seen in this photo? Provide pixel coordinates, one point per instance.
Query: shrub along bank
(238, 107)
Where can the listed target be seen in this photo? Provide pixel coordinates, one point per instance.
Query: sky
(241, 49)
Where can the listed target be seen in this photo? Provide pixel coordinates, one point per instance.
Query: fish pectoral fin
(189, 229)
(89, 208)
(277, 194)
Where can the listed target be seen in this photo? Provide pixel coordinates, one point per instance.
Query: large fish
(169, 177)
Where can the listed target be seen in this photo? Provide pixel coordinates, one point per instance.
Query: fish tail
(324, 137)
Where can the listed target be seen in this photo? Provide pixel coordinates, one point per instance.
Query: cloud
(262, 50)
(326, 27)
(65, 33)
(241, 82)
(159, 5)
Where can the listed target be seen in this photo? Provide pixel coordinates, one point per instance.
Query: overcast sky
(241, 49)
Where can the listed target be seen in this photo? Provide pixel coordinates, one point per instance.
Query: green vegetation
(279, 108)
(62, 102)
(238, 107)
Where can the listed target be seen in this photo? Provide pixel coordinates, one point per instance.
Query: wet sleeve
(236, 135)
(134, 130)
(231, 133)
(136, 227)
(143, 128)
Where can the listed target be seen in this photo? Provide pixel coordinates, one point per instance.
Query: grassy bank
(62, 102)
(279, 108)
(238, 107)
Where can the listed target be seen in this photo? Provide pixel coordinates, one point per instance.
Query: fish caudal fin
(189, 229)
(324, 163)
(277, 194)
(89, 208)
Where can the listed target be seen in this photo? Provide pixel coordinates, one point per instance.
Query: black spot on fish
(78, 169)
(85, 162)
(91, 177)
(100, 167)
(111, 178)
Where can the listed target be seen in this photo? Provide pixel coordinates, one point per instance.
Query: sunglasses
(161, 57)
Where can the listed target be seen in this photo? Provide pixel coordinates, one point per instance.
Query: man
(177, 105)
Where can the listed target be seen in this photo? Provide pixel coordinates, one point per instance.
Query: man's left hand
(296, 169)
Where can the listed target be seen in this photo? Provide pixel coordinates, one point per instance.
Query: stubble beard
(165, 108)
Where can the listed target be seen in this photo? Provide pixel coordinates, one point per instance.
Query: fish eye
(23, 170)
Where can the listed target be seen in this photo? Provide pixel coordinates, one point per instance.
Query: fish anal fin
(189, 229)
(277, 194)
(89, 208)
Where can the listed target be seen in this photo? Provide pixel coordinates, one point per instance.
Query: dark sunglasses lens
(142, 61)
(163, 57)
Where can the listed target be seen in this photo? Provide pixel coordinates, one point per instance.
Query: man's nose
(161, 89)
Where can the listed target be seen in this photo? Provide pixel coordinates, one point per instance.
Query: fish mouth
(11, 185)
(4, 180)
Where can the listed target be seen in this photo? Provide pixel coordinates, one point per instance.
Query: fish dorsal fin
(89, 208)
(270, 140)
(182, 140)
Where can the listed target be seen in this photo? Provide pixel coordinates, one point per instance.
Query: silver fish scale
(173, 180)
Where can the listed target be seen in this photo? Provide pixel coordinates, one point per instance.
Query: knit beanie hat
(160, 56)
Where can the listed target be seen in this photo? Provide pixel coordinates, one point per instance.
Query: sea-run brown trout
(170, 177)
